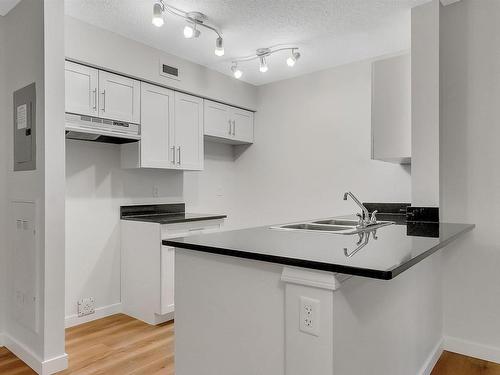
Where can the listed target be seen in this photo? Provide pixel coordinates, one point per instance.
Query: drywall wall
(39, 58)
(3, 181)
(312, 143)
(93, 45)
(425, 103)
(470, 177)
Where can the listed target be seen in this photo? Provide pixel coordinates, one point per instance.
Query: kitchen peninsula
(285, 299)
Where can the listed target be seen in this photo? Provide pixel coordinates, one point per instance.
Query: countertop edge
(336, 268)
(174, 221)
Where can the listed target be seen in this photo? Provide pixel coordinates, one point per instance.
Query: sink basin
(343, 222)
(317, 227)
(337, 226)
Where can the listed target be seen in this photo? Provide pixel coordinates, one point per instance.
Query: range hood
(94, 129)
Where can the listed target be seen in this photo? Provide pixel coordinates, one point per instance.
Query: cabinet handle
(104, 100)
(234, 127)
(173, 154)
(179, 160)
(94, 97)
(230, 127)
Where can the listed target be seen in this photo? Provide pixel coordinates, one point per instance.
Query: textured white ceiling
(7, 5)
(328, 32)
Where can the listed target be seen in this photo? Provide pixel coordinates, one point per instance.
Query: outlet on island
(309, 315)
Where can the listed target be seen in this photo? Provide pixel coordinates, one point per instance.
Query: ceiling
(328, 32)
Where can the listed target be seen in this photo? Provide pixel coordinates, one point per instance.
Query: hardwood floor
(114, 345)
(124, 346)
(456, 364)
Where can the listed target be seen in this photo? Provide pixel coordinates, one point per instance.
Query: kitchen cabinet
(148, 267)
(97, 93)
(81, 83)
(119, 98)
(188, 131)
(228, 124)
(171, 132)
(391, 110)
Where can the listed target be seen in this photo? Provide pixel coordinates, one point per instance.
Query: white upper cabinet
(119, 98)
(81, 89)
(242, 125)
(157, 130)
(391, 109)
(189, 131)
(228, 124)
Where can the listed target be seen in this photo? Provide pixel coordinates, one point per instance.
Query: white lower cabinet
(148, 267)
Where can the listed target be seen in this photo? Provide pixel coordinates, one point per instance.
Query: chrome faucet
(365, 219)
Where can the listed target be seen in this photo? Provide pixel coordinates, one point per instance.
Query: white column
(309, 352)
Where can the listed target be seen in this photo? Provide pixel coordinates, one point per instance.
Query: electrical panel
(25, 128)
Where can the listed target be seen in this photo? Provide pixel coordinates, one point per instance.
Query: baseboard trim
(432, 359)
(472, 349)
(47, 367)
(100, 312)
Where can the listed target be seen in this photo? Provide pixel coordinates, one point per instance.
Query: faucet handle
(373, 218)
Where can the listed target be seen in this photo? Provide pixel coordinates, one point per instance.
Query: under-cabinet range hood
(94, 129)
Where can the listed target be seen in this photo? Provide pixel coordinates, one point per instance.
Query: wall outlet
(86, 306)
(309, 316)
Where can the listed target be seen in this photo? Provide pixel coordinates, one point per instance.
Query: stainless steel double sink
(334, 226)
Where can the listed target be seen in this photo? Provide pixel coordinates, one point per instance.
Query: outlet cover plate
(309, 316)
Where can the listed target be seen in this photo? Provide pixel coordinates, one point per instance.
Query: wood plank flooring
(124, 346)
(114, 345)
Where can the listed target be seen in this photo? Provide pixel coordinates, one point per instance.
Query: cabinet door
(167, 279)
(157, 119)
(217, 120)
(189, 131)
(81, 89)
(119, 98)
(242, 125)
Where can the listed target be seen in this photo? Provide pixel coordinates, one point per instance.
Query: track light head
(158, 15)
(236, 72)
(219, 46)
(293, 58)
(263, 64)
(190, 31)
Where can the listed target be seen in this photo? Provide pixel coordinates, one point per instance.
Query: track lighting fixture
(219, 47)
(195, 20)
(262, 54)
(191, 31)
(236, 72)
(293, 58)
(158, 15)
(263, 64)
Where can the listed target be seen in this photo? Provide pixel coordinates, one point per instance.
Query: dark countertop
(170, 213)
(173, 218)
(397, 247)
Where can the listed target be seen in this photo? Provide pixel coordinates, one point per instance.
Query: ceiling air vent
(169, 71)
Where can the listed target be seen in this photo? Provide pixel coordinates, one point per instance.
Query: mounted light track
(262, 54)
(195, 20)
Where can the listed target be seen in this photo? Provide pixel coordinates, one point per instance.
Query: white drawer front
(190, 228)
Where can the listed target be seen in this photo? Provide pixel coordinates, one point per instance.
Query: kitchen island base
(241, 316)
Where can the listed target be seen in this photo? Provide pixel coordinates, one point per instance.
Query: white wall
(425, 103)
(470, 181)
(3, 180)
(313, 143)
(34, 53)
(93, 45)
